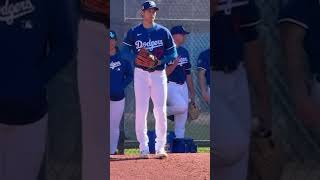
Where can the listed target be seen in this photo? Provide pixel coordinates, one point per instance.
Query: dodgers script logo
(114, 65)
(183, 61)
(150, 45)
(9, 12)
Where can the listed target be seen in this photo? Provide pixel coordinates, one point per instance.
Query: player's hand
(205, 96)
(176, 61)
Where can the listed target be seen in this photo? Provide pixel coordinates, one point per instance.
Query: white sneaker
(161, 154)
(144, 154)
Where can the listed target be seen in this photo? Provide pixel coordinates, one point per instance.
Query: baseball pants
(154, 85)
(232, 121)
(177, 105)
(92, 84)
(116, 112)
(21, 150)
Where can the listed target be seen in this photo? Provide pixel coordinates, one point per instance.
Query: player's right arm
(202, 77)
(127, 49)
(293, 26)
(172, 66)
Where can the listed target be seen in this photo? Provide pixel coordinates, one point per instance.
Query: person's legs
(159, 99)
(181, 118)
(92, 78)
(142, 97)
(22, 150)
(176, 99)
(231, 130)
(116, 112)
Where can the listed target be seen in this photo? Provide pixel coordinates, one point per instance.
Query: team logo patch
(9, 12)
(115, 65)
(182, 61)
(150, 45)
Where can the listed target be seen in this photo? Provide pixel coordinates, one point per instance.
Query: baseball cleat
(161, 154)
(144, 154)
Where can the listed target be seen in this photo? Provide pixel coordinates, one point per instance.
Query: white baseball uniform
(151, 83)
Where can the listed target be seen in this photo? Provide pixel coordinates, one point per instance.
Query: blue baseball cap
(178, 30)
(148, 5)
(113, 35)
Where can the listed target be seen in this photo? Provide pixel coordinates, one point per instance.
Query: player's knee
(231, 152)
(181, 109)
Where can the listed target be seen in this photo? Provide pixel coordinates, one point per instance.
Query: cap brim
(157, 9)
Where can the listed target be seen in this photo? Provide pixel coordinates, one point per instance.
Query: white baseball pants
(92, 83)
(178, 106)
(22, 150)
(116, 112)
(154, 85)
(232, 123)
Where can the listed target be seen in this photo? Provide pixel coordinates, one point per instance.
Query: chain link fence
(298, 142)
(194, 15)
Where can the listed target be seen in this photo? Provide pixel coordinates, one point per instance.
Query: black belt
(180, 83)
(146, 69)
(226, 68)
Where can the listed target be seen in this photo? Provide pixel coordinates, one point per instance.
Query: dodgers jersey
(179, 74)
(233, 25)
(204, 63)
(157, 40)
(121, 74)
(306, 14)
(27, 27)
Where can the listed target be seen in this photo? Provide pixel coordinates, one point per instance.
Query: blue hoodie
(37, 40)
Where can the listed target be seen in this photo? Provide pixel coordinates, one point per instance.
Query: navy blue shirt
(121, 75)
(36, 42)
(306, 14)
(204, 64)
(233, 25)
(157, 40)
(179, 74)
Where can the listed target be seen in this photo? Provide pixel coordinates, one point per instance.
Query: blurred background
(194, 15)
(299, 156)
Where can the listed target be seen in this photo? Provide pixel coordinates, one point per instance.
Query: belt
(226, 68)
(180, 83)
(146, 69)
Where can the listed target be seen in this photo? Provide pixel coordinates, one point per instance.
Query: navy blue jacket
(37, 40)
(121, 74)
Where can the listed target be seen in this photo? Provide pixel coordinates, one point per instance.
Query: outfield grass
(136, 151)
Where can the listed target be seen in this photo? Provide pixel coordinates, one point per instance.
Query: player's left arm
(256, 67)
(189, 79)
(62, 39)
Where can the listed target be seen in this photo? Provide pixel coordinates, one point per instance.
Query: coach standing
(36, 42)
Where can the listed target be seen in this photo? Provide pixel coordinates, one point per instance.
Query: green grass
(136, 151)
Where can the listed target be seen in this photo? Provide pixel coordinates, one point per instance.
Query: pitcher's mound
(195, 166)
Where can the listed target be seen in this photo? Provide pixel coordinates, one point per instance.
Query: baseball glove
(146, 59)
(96, 10)
(193, 111)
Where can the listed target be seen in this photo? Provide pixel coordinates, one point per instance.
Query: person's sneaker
(144, 154)
(161, 154)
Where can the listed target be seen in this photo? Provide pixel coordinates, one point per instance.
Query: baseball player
(150, 81)
(120, 76)
(33, 51)
(300, 37)
(180, 83)
(236, 52)
(204, 74)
